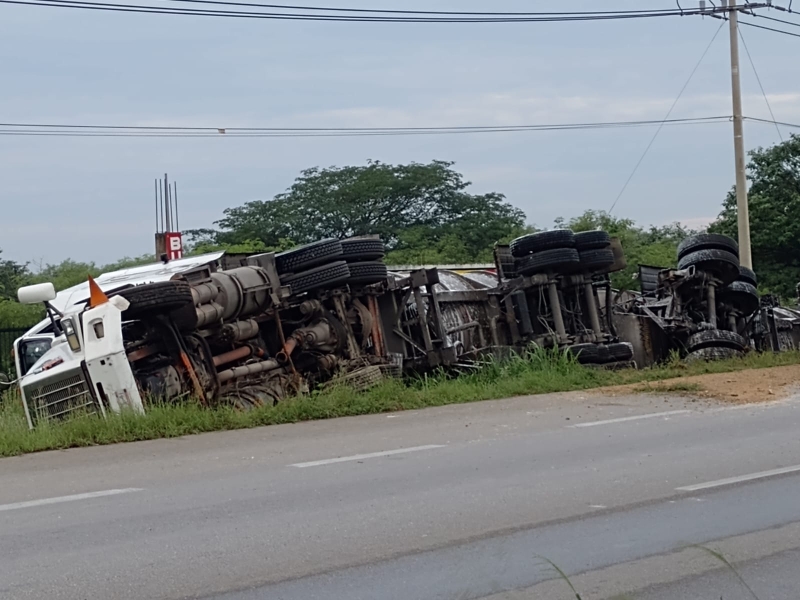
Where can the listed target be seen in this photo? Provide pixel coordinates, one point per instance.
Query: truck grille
(66, 395)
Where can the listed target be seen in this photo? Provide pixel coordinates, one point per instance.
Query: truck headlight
(72, 335)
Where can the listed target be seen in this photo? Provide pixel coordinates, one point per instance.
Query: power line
(768, 28)
(414, 12)
(784, 21)
(758, 79)
(30, 129)
(669, 112)
(770, 122)
(156, 9)
(354, 129)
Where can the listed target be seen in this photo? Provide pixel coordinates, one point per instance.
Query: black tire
(558, 260)
(748, 275)
(596, 261)
(325, 276)
(592, 240)
(505, 261)
(707, 241)
(544, 240)
(742, 295)
(303, 258)
(509, 268)
(585, 353)
(358, 250)
(158, 298)
(621, 352)
(719, 263)
(603, 354)
(365, 273)
(716, 338)
(710, 354)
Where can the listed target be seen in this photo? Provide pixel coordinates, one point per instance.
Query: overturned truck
(267, 327)
(708, 308)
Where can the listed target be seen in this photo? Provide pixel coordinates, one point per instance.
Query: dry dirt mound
(739, 387)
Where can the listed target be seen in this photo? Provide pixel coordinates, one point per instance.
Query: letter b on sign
(174, 245)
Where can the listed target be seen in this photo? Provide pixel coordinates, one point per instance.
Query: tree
(655, 247)
(11, 274)
(421, 208)
(774, 201)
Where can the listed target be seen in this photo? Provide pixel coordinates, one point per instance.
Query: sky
(91, 199)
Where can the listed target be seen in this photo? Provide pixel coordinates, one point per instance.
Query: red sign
(174, 245)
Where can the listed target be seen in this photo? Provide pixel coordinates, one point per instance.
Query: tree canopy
(422, 212)
(774, 201)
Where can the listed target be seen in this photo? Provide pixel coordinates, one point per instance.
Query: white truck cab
(73, 362)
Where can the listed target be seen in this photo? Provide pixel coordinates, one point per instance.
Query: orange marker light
(96, 295)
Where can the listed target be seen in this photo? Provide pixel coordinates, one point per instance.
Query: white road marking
(330, 461)
(633, 418)
(72, 498)
(740, 479)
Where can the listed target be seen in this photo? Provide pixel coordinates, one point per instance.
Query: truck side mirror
(35, 294)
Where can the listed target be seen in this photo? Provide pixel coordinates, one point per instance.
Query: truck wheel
(709, 354)
(742, 296)
(748, 275)
(158, 298)
(584, 353)
(556, 260)
(362, 250)
(505, 260)
(707, 241)
(722, 264)
(326, 276)
(544, 240)
(367, 272)
(621, 352)
(592, 240)
(310, 255)
(596, 260)
(716, 338)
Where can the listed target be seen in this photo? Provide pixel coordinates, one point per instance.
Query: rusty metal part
(377, 329)
(288, 348)
(198, 389)
(282, 338)
(341, 313)
(142, 352)
(249, 369)
(365, 319)
(232, 356)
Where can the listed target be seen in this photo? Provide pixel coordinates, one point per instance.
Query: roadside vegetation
(538, 372)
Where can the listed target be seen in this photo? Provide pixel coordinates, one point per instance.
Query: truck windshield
(32, 350)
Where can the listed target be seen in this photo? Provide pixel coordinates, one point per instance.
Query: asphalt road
(458, 502)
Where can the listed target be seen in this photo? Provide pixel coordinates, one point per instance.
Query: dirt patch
(739, 387)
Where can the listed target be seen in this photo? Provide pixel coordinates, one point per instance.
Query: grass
(536, 372)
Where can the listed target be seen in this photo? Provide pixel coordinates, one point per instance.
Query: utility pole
(742, 209)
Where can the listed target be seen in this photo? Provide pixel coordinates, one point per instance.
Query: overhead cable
(669, 112)
(758, 79)
(33, 129)
(152, 8)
